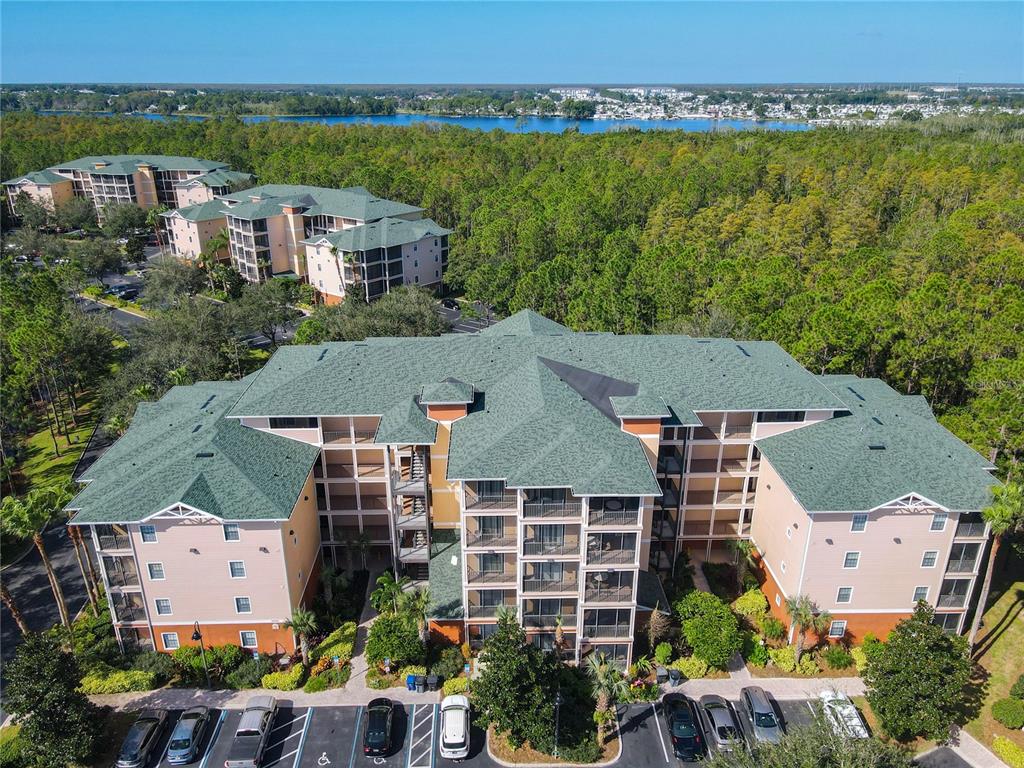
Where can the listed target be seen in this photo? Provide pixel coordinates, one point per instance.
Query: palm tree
(417, 603)
(363, 547)
(1005, 515)
(209, 257)
(26, 518)
(559, 636)
(806, 617)
(303, 624)
(8, 600)
(743, 553)
(76, 541)
(609, 685)
(385, 597)
(155, 221)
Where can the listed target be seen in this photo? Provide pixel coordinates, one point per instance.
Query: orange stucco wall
(269, 640)
(445, 412)
(452, 631)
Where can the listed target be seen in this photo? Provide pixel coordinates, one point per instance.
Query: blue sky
(249, 41)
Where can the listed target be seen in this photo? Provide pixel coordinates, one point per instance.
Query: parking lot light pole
(197, 637)
(558, 708)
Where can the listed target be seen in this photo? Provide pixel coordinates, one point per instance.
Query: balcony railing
(115, 541)
(703, 466)
(344, 437)
(490, 577)
(129, 613)
(552, 509)
(613, 517)
(407, 484)
(951, 601)
(534, 620)
(507, 500)
(490, 540)
(488, 611)
(595, 556)
(961, 566)
(569, 546)
(550, 585)
(121, 580)
(601, 631)
(619, 594)
(730, 497)
(970, 530)
(416, 554)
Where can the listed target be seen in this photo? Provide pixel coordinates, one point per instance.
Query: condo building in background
(557, 474)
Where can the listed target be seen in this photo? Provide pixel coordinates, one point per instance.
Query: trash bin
(410, 682)
(421, 683)
(662, 675)
(433, 682)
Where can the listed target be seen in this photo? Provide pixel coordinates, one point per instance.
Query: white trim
(925, 554)
(926, 591)
(241, 640)
(913, 501)
(945, 522)
(236, 621)
(166, 645)
(846, 557)
(142, 535)
(156, 606)
(848, 600)
(149, 571)
(177, 511)
(866, 516)
(243, 613)
(244, 572)
(224, 532)
(844, 611)
(831, 635)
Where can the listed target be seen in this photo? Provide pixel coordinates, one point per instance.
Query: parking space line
(213, 738)
(282, 741)
(661, 738)
(290, 722)
(305, 730)
(418, 757)
(282, 757)
(355, 737)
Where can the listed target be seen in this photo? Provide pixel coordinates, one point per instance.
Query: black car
(449, 303)
(377, 736)
(683, 726)
(142, 738)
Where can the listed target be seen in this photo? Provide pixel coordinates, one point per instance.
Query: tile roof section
(221, 177)
(125, 164)
(40, 178)
(405, 423)
(641, 405)
(888, 447)
(525, 323)
(181, 450)
(350, 203)
(445, 576)
(447, 392)
(208, 211)
(385, 233)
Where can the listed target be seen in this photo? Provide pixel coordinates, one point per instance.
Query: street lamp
(558, 706)
(197, 637)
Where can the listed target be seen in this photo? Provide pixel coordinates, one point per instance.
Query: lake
(509, 124)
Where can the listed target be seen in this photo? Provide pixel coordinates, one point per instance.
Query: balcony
(734, 466)
(408, 485)
(565, 584)
(951, 601)
(112, 542)
(508, 500)
(607, 631)
(620, 517)
(543, 509)
(970, 530)
(490, 540)
(346, 437)
(700, 498)
(703, 466)
(547, 621)
(489, 611)
(122, 580)
(670, 465)
(416, 553)
(729, 498)
(598, 556)
(961, 566)
(335, 472)
(124, 614)
(570, 545)
(368, 471)
(490, 577)
(608, 594)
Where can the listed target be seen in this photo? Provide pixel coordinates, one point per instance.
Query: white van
(455, 728)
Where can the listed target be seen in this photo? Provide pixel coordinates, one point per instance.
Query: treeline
(895, 252)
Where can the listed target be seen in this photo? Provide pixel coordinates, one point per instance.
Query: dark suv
(684, 728)
(377, 736)
(142, 738)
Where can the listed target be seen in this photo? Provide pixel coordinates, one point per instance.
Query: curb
(557, 763)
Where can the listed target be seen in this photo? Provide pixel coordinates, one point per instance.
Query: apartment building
(148, 181)
(188, 231)
(559, 474)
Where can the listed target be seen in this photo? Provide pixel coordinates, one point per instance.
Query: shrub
(752, 604)
(339, 643)
(837, 657)
(860, 658)
(394, 638)
(287, 680)
(642, 692)
(1006, 751)
(1017, 691)
(249, 674)
(772, 628)
(337, 676)
(691, 667)
(189, 662)
(710, 627)
(315, 684)
(721, 578)
(663, 653)
(375, 681)
(586, 750)
(455, 685)
(225, 659)
(412, 669)
(1009, 712)
(450, 664)
(808, 666)
(159, 664)
(755, 651)
(783, 658)
(117, 681)
(11, 753)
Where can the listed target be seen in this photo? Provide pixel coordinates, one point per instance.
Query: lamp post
(197, 637)
(558, 708)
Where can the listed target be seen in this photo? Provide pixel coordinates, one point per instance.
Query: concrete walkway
(974, 752)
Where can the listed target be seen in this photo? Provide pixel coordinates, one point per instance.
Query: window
(301, 422)
(837, 629)
(148, 533)
(163, 606)
(852, 560)
(844, 595)
(231, 532)
(778, 600)
(929, 558)
(938, 522)
(156, 571)
(248, 638)
(768, 417)
(859, 523)
(789, 533)
(237, 569)
(170, 640)
(783, 566)
(920, 593)
(243, 605)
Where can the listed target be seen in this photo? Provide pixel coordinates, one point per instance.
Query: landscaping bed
(498, 746)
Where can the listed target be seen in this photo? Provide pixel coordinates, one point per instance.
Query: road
(464, 325)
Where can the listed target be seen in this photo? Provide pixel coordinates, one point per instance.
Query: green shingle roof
(350, 202)
(538, 417)
(405, 423)
(208, 211)
(445, 576)
(640, 405)
(221, 177)
(124, 164)
(42, 178)
(384, 233)
(889, 446)
(181, 450)
(448, 392)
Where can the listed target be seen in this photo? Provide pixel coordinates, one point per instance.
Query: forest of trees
(895, 252)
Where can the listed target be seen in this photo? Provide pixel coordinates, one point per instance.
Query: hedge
(691, 667)
(288, 680)
(454, 686)
(1008, 752)
(752, 604)
(339, 643)
(1009, 712)
(784, 658)
(315, 684)
(117, 681)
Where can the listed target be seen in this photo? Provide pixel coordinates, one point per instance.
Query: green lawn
(1000, 660)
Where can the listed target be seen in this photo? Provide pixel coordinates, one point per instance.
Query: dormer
(448, 399)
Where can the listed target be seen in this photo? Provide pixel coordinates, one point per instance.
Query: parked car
(449, 303)
(377, 736)
(766, 725)
(183, 748)
(684, 728)
(720, 725)
(246, 750)
(455, 727)
(142, 738)
(842, 715)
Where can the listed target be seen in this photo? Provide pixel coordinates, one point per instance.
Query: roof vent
(856, 394)
(741, 349)
(877, 420)
(323, 354)
(204, 455)
(876, 447)
(208, 401)
(196, 428)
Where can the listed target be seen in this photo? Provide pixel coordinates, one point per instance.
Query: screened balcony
(607, 623)
(551, 502)
(551, 539)
(487, 603)
(490, 532)
(541, 613)
(609, 587)
(614, 511)
(490, 568)
(611, 548)
(548, 577)
(488, 495)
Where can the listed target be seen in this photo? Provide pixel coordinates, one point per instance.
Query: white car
(842, 715)
(455, 728)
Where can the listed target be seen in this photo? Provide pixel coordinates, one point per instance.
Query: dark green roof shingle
(384, 233)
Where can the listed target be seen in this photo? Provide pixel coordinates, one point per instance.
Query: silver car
(765, 724)
(183, 748)
(721, 729)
